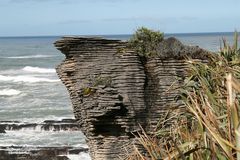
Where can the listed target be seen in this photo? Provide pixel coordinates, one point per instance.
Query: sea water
(30, 90)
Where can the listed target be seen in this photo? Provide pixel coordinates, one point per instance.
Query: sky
(103, 17)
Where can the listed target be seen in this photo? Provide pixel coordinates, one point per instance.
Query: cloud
(151, 19)
(118, 19)
(81, 21)
(38, 1)
(66, 1)
(132, 19)
(47, 1)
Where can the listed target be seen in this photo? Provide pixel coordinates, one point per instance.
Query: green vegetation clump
(209, 126)
(95, 83)
(145, 41)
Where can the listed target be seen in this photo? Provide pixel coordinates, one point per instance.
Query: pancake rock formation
(114, 90)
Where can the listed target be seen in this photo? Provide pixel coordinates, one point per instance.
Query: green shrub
(145, 41)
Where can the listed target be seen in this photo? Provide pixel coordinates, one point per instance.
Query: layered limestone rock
(113, 90)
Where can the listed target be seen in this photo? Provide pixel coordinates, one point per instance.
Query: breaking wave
(30, 56)
(9, 92)
(81, 156)
(29, 79)
(38, 69)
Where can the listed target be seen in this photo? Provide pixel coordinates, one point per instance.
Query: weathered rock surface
(113, 89)
(38, 153)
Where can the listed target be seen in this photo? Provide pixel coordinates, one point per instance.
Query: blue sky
(91, 17)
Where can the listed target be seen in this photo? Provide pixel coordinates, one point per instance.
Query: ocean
(30, 91)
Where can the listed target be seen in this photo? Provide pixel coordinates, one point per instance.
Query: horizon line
(122, 34)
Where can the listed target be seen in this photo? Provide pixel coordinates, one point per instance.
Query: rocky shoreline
(54, 125)
(38, 153)
(21, 152)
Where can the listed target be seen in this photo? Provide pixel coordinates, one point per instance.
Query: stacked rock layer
(114, 91)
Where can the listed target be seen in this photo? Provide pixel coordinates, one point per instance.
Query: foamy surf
(38, 69)
(9, 92)
(28, 79)
(30, 56)
(41, 138)
(81, 156)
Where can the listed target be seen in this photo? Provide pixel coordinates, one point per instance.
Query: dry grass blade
(232, 86)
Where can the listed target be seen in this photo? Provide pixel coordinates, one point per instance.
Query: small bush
(145, 41)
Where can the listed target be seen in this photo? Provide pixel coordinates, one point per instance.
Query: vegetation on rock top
(145, 41)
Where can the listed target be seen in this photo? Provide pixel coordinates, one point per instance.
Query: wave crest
(38, 69)
(28, 79)
(30, 56)
(9, 92)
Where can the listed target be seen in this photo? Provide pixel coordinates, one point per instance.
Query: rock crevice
(113, 90)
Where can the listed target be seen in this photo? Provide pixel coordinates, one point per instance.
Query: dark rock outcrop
(2, 129)
(53, 125)
(38, 153)
(113, 89)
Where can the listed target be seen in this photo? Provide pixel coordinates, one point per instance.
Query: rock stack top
(84, 42)
(173, 48)
(168, 48)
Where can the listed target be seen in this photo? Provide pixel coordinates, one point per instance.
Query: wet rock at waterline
(113, 89)
(38, 153)
(2, 129)
(47, 125)
(47, 156)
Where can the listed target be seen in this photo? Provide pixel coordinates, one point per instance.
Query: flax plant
(209, 127)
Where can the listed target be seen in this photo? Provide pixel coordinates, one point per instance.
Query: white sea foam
(38, 69)
(41, 138)
(9, 92)
(30, 56)
(81, 156)
(29, 79)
